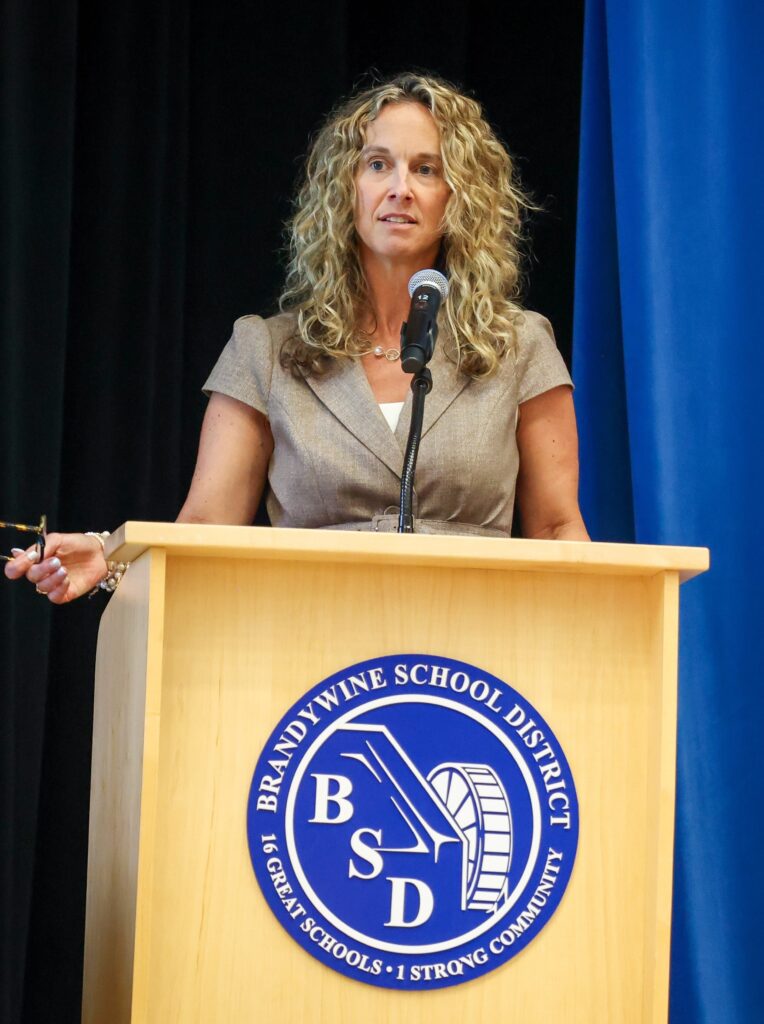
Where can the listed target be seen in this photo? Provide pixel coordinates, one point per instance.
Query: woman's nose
(400, 184)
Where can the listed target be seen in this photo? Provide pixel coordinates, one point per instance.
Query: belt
(388, 523)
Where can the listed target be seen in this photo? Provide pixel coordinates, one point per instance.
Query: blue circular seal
(412, 822)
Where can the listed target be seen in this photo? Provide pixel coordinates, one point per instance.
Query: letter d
(515, 717)
(398, 900)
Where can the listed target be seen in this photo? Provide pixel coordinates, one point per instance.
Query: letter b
(339, 797)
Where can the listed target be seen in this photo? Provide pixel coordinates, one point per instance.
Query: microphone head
(434, 278)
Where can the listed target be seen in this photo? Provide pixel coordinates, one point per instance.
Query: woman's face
(401, 195)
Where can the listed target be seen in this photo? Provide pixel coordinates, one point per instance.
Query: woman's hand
(74, 563)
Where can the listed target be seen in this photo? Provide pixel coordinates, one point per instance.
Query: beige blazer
(336, 464)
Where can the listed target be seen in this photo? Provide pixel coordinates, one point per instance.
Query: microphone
(427, 288)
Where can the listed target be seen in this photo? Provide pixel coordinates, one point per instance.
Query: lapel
(346, 393)
(447, 383)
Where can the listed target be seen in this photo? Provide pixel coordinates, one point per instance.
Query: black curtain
(146, 160)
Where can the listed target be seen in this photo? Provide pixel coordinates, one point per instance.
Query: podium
(216, 631)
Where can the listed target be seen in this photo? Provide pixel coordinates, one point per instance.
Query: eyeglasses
(41, 531)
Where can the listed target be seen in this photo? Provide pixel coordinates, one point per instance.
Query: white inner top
(392, 413)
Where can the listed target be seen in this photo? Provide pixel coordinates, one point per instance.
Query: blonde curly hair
(482, 233)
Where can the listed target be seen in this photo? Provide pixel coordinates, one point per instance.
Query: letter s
(401, 675)
(368, 853)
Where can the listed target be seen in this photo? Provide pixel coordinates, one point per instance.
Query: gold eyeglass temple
(40, 530)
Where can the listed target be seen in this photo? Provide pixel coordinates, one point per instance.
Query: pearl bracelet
(115, 570)
(111, 580)
(100, 537)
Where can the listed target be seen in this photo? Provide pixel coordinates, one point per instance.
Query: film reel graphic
(477, 801)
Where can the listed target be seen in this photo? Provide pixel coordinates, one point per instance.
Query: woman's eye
(376, 165)
(427, 170)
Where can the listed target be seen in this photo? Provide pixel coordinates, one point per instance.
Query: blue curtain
(669, 373)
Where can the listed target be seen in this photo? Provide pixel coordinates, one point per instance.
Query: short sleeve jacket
(337, 465)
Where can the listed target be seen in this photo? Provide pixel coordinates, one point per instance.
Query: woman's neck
(387, 284)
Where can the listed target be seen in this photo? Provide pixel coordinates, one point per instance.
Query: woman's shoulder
(247, 365)
(531, 327)
(532, 335)
(537, 364)
(256, 328)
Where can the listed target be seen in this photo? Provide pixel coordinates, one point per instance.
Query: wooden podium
(216, 631)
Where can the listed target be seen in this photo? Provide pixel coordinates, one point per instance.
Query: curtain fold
(36, 165)
(667, 285)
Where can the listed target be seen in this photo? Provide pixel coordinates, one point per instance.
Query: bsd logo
(449, 833)
(412, 821)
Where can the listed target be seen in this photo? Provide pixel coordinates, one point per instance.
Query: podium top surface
(258, 542)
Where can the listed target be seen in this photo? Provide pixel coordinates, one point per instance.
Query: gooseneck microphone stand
(421, 385)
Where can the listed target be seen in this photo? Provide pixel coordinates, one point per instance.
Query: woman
(404, 176)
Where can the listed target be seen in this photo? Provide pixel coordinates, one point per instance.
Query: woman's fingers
(59, 594)
(22, 562)
(72, 566)
(55, 584)
(41, 573)
(50, 578)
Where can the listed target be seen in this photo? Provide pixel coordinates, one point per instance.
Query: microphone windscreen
(432, 277)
